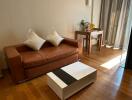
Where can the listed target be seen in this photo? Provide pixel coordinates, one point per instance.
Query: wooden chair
(89, 38)
(95, 38)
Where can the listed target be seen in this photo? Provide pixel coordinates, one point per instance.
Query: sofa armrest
(14, 62)
(71, 42)
(11, 52)
(76, 43)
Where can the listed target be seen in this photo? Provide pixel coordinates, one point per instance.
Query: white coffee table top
(77, 70)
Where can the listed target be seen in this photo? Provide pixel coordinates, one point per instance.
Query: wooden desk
(88, 39)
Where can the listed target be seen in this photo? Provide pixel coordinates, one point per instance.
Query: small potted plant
(83, 25)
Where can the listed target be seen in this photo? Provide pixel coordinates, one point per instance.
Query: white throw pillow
(54, 38)
(34, 41)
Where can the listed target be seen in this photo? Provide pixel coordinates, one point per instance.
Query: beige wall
(44, 16)
(96, 12)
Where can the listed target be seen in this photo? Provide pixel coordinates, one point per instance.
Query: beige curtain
(128, 28)
(121, 30)
(113, 18)
(104, 16)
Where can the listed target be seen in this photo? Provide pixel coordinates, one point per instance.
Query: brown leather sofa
(25, 64)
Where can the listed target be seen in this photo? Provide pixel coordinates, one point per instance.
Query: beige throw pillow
(54, 38)
(34, 41)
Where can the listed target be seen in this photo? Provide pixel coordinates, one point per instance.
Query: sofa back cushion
(23, 48)
(47, 44)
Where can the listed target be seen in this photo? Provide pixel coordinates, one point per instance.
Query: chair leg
(100, 42)
(89, 45)
(99, 45)
(84, 44)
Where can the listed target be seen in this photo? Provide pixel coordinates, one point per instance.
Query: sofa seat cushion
(46, 55)
(55, 53)
(31, 59)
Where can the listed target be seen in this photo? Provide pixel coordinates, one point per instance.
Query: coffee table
(69, 79)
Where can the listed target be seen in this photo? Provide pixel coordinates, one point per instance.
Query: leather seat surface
(46, 55)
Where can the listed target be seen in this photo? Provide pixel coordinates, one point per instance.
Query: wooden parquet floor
(113, 84)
